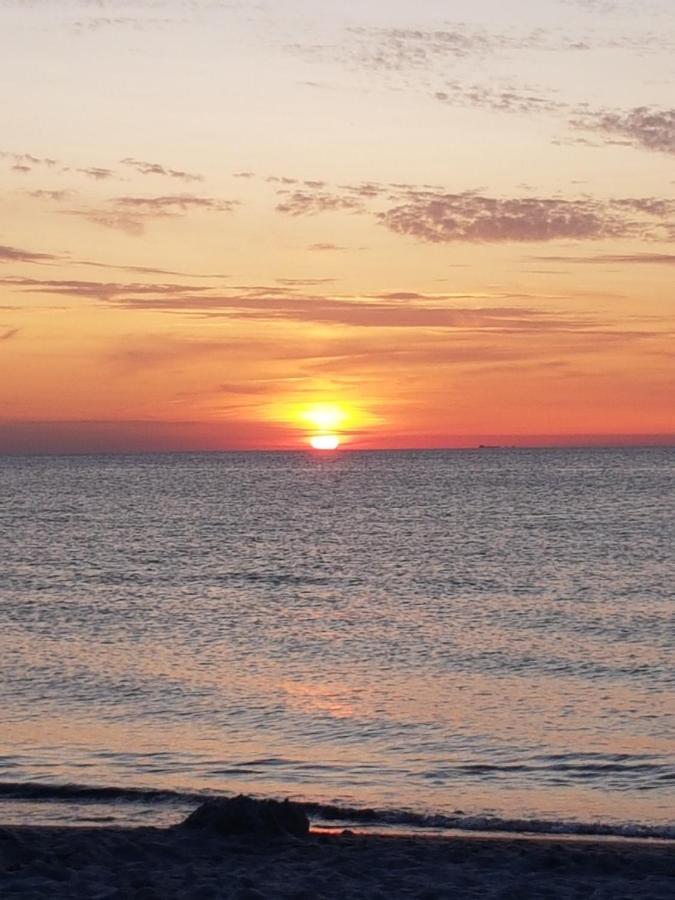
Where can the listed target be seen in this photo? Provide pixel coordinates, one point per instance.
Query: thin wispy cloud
(28, 160)
(615, 259)
(9, 333)
(307, 203)
(17, 255)
(510, 99)
(173, 204)
(97, 173)
(133, 225)
(132, 213)
(136, 23)
(98, 290)
(396, 310)
(393, 309)
(56, 196)
(147, 270)
(406, 49)
(325, 247)
(142, 167)
(409, 50)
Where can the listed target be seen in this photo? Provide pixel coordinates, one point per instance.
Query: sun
(324, 441)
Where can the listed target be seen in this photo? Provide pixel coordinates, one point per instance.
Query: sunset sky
(452, 221)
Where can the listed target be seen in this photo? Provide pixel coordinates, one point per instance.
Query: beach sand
(102, 863)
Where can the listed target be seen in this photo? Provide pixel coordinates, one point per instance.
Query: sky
(235, 225)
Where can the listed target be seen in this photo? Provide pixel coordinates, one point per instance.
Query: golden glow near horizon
(327, 419)
(324, 421)
(325, 416)
(203, 276)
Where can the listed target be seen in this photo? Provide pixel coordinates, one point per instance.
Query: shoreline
(150, 863)
(459, 834)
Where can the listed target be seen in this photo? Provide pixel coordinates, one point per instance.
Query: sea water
(479, 639)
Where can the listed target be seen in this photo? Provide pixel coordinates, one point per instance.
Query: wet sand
(105, 863)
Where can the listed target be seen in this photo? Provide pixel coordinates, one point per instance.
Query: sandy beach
(105, 863)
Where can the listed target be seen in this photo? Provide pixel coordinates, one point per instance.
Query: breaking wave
(321, 813)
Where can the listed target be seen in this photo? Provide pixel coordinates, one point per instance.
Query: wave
(40, 790)
(489, 824)
(387, 819)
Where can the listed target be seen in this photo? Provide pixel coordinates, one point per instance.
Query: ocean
(476, 639)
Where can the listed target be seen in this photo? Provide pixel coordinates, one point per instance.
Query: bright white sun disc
(324, 442)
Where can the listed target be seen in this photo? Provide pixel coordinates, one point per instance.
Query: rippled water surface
(476, 633)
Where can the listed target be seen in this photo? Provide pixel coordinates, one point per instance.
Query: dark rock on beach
(245, 816)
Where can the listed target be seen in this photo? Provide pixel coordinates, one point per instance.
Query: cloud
(9, 334)
(24, 162)
(309, 203)
(98, 290)
(614, 6)
(97, 173)
(150, 168)
(404, 50)
(366, 190)
(325, 247)
(654, 259)
(145, 352)
(120, 221)
(54, 196)
(642, 126)
(427, 312)
(509, 98)
(131, 214)
(173, 204)
(14, 254)
(437, 217)
(96, 23)
(147, 270)
(394, 309)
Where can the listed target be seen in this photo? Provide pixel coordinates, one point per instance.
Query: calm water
(480, 636)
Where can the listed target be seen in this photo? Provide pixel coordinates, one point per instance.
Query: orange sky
(457, 229)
